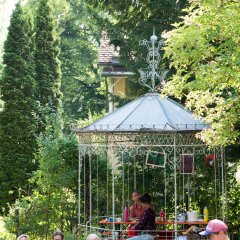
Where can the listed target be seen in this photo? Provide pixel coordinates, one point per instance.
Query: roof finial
(150, 75)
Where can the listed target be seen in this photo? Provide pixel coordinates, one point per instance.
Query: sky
(6, 8)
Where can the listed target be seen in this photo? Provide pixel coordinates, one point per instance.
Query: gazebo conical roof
(149, 112)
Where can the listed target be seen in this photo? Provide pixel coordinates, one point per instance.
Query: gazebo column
(223, 183)
(81, 154)
(111, 154)
(90, 192)
(175, 184)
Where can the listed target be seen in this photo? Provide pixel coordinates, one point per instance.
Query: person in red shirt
(146, 227)
(137, 210)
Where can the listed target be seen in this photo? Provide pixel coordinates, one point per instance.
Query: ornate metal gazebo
(148, 132)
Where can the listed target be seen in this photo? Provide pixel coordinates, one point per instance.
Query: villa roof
(106, 52)
(109, 58)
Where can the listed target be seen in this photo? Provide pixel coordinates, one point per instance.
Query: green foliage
(48, 72)
(127, 22)
(206, 69)
(79, 53)
(58, 7)
(53, 202)
(57, 157)
(40, 215)
(18, 122)
(204, 50)
(233, 199)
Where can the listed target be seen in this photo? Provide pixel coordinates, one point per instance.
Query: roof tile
(106, 52)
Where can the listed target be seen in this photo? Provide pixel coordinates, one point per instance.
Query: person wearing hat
(216, 230)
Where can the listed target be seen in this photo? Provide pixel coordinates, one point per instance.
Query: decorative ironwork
(150, 75)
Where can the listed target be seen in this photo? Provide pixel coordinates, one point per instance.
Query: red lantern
(209, 160)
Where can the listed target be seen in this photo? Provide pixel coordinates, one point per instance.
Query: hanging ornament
(186, 164)
(152, 76)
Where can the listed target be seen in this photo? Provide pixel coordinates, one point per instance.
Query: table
(162, 234)
(168, 222)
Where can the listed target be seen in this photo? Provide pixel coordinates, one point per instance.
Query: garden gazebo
(149, 132)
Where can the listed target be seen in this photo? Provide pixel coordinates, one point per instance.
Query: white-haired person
(216, 230)
(23, 237)
(93, 236)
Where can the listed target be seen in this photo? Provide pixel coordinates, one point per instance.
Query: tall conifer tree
(18, 118)
(48, 72)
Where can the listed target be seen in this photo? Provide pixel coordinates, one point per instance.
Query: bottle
(162, 216)
(125, 214)
(205, 215)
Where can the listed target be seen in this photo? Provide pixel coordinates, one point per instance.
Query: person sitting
(137, 210)
(147, 222)
(58, 235)
(193, 229)
(216, 230)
